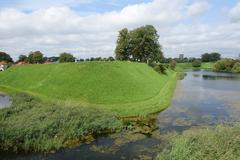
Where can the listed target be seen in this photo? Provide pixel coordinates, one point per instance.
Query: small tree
(196, 63)
(66, 57)
(173, 64)
(5, 57)
(35, 57)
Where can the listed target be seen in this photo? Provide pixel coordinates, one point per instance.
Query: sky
(89, 28)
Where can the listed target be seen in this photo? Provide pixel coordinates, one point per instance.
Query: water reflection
(5, 101)
(202, 98)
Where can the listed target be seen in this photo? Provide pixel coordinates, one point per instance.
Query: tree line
(37, 57)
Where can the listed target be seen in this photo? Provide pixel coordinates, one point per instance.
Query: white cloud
(197, 8)
(60, 29)
(235, 13)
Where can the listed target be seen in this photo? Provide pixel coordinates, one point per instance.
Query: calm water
(5, 101)
(201, 98)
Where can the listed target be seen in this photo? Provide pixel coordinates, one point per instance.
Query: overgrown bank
(33, 125)
(205, 144)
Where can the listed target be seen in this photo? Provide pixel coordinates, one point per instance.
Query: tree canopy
(22, 58)
(5, 57)
(211, 57)
(66, 57)
(35, 57)
(140, 44)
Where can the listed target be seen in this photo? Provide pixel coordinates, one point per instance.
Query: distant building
(239, 56)
(181, 56)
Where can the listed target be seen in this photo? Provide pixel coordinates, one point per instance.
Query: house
(3, 65)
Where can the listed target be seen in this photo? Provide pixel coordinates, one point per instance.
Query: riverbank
(124, 88)
(221, 142)
(183, 66)
(31, 125)
(36, 123)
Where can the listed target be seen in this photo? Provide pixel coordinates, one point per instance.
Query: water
(201, 98)
(5, 101)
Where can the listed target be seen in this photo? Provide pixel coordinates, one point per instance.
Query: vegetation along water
(136, 105)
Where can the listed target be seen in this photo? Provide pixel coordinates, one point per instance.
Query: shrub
(226, 65)
(160, 68)
(173, 64)
(236, 68)
(196, 63)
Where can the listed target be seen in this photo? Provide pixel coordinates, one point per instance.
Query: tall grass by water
(221, 143)
(33, 125)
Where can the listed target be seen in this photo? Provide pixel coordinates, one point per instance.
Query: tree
(215, 57)
(122, 48)
(5, 57)
(140, 44)
(35, 57)
(22, 58)
(212, 57)
(196, 63)
(66, 57)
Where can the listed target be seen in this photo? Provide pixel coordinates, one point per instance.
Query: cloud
(235, 13)
(59, 29)
(197, 8)
(30, 5)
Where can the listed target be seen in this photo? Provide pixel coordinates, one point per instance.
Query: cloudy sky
(89, 28)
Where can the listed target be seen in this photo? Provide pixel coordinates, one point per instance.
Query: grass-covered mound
(33, 125)
(221, 143)
(125, 87)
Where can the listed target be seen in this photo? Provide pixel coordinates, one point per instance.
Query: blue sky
(89, 27)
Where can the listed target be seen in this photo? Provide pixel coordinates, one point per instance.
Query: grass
(33, 125)
(128, 89)
(182, 66)
(222, 143)
(61, 105)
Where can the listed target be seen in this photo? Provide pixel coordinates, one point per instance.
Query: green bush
(196, 63)
(32, 125)
(160, 68)
(205, 144)
(236, 68)
(173, 64)
(226, 65)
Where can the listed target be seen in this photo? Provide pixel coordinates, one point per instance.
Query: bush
(226, 65)
(160, 68)
(236, 68)
(196, 63)
(173, 64)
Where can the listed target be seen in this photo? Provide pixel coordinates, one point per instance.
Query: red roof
(3, 63)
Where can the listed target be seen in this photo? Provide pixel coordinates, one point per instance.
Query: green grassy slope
(117, 86)
(181, 66)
